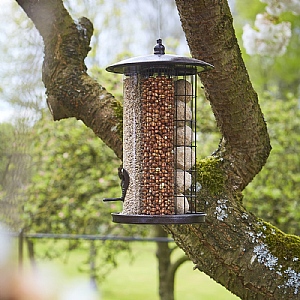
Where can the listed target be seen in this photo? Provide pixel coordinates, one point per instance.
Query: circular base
(159, 219)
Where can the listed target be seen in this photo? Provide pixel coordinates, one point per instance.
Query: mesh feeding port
(185, 144)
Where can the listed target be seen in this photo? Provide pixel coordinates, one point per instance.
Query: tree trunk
(30, 248)
(66, 46)
(163, 254)
(166, 268)
(249, 257)
(92, 261)
(208, 26)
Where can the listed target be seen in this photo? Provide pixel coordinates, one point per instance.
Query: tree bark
(208, 26)
(249, 257)
(30, 249)
(71, 92)
(163, 254)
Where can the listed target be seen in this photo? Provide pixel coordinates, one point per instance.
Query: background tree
(14, 167)
(274, 193)
(275, 76)
(67, 185)
(245, 246)
(26, 98)
(72, 171)
(271, 70)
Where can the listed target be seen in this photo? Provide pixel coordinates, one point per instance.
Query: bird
(124, 176)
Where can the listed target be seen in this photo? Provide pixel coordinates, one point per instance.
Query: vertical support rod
(194, 179)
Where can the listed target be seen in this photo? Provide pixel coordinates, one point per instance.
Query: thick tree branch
(235, 246)
(208, 27)
(71, 91)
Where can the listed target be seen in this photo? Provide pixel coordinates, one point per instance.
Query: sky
(121, 34)
(6, 112)
(136, 35)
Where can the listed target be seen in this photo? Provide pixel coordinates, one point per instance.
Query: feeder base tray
(159, 219)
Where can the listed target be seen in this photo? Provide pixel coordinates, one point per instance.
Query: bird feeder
(159, 176)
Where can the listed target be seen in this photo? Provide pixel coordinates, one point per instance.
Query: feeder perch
(159, 183)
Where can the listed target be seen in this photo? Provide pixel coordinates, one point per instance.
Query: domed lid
(180, 65)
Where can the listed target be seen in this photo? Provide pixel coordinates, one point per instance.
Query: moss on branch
(210, 174)
(284, 246)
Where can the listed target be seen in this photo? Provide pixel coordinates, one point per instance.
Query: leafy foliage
(72, 171)
(14, 163)
(274, 193)
(6, 138)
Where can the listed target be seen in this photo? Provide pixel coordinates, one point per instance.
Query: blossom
(268, 38)
(277, 7)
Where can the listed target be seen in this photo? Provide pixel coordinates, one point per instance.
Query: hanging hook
(124, 176)
(159, 48)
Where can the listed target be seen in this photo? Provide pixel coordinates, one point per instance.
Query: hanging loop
(159, 47)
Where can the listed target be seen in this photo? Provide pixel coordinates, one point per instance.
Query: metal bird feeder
(159, 183)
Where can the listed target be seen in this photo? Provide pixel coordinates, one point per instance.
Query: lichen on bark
(282, 245)
(280, 253)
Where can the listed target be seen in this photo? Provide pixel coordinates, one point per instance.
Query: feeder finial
(159, 47)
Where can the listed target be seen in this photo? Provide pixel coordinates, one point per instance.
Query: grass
(138, 279)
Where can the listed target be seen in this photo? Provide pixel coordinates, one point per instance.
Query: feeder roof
(181, 65)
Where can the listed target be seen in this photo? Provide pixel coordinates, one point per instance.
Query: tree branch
(176, 264)
(71, 92)
(208, 27)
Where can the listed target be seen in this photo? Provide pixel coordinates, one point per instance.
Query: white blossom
(268, 38)
(277, 7)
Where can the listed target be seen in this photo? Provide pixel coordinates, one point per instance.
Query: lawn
(137, 279)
